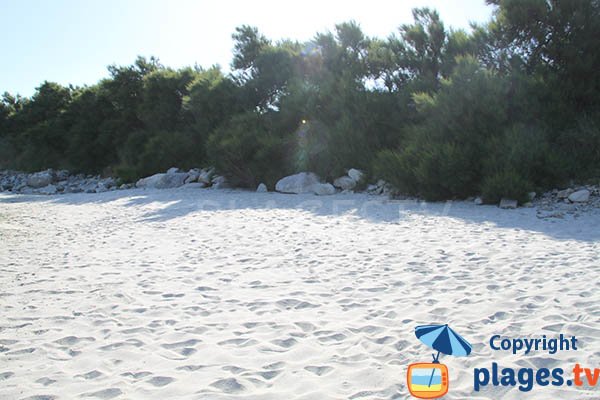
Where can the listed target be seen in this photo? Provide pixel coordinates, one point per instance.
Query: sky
(73, 41)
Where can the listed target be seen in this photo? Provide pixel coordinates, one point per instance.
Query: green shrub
(508, 184)
(247, 151)
(397, 168)
(580, 148)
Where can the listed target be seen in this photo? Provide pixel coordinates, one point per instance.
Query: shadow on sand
(164, 205)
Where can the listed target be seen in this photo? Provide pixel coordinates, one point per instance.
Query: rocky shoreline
(556, 203)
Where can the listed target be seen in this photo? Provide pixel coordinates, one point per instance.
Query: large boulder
(302, 182)
(563, 194)
(219, 182)
(206, 175)
(508, 203)
(40, 179)
(323, 189)
(355, 174)
(580, 196)
(163, 181)
(50, 189)
(344, 183)
(194, 185)
(193, 175)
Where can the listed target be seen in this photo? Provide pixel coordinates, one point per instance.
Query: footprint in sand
(229, 385)
(286, 343)
(190, 368)
(90, 375)
(268, 375)
(45, 381)
(105, 394)
(238, 342)
(6, 375)
(318, 370)
(160, 381)
(186, 343)
(137, 375)
(128, 342)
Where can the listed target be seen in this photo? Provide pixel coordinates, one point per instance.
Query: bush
(147, 153)
(508, 184)
(580, 147)
(247, 151)
(397, 168)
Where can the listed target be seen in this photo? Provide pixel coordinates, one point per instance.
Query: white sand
(200, 294)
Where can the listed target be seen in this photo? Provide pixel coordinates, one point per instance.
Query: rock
(323, 189)
(580, 196)
(62, 175)
(206, 175)
(563, 194)
(355, 174)
(508, 203)
(374, 189)
(478, 201)
(344, 183)
(50, 189)
(194, 185)
(108, 183)
(163, 181)
(219, 182)
(550, 214)
(299, 183)
(531, 195)
(40, 179)
(173, 170)
(193, 175)
(262, 188)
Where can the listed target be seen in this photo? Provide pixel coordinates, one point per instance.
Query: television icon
(427, 380)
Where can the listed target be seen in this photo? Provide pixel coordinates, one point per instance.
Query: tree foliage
(509, 106)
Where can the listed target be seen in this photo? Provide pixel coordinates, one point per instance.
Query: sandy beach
(223, 294)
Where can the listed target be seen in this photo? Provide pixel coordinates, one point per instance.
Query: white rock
(298, 183)
(40, 179)
(219, 182)
(355, 174)
(205, 175)
(563, 194)
(194, 185)
(323, 189)
(344, 183)
(373, 189)
(50, 189)
(149, 181)
(173, 170)
(508, 203)
(163, 181)
(262, 188)
(478, 201)
(531, 195)
(193, 176)
(580, 196)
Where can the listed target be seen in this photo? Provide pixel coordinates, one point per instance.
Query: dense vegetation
(504, 109)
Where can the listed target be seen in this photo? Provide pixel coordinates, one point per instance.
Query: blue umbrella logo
(428, 381)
